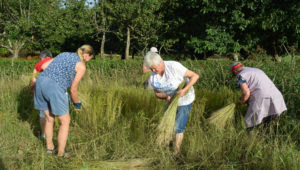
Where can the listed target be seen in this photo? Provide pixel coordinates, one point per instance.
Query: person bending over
(259, 92)
(44, 56)
(166, 76)
(51, 97)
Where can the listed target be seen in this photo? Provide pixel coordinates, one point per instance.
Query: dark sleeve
(240, 80)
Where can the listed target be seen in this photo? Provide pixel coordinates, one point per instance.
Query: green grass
(119, 119)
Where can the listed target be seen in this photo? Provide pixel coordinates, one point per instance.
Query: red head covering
(235, 66)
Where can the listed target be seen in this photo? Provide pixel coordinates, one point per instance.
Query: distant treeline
(190, 28)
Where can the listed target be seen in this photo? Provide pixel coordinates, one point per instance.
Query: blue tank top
(62, 69)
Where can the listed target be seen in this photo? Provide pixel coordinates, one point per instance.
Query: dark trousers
(266, 123)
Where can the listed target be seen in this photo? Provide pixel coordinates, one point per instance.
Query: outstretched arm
(33, 80)
(80, 71)
(145, 69)
(161, 95)
(245, 93)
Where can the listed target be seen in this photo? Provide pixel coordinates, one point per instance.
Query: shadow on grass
(26, 110)
(2, 164)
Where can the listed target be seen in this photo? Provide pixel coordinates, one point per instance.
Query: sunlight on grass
(117, 128)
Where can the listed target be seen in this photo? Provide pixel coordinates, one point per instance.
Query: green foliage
(223, 26)
(63, 28)
(4, 52)
(136, 21)
(16, 25)
(191, 27)
(217, 40)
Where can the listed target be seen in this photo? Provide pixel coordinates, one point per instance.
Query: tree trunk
(14, 47)
(16, 53)
(276, 56)
(133, 53)
(102, 45)
(127, 44)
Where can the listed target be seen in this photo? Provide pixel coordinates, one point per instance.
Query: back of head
(45, 53)
(85, 49)
(152, 58)
(235, 66)
(153, 49)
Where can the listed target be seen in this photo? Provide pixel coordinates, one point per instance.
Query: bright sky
(90, 3)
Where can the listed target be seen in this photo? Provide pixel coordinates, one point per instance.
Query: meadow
(116, 127)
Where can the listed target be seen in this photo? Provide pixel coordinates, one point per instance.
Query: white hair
(152, 58)
(153, 49)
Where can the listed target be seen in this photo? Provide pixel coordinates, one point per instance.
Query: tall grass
(118, 121)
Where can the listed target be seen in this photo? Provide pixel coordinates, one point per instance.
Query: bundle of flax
(165, 128)
(220, 117)
(116, 164)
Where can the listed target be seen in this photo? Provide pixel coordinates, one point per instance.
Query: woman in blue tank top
(51, 97)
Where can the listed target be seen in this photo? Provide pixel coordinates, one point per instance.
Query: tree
(136, 19)
(278, 23)
(63, 26)
(149, 24)
(16, 26)
(101, 21)
(125, 15)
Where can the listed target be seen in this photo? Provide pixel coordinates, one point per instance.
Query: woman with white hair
(147, 70)
(166, 76)
(259, 92)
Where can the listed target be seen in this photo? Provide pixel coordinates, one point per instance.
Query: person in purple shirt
(265, 102)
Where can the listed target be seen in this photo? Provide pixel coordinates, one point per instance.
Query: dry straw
(119, 164)
(166, 127)
(221, 117)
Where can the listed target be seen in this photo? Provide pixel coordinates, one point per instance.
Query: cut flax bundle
(117, 164)
(165, 128)
(221, 117)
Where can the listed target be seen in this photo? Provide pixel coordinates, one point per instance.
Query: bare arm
(46, 64)
(245, 93)
(193, 79)
(80, 70)
(33, 80)
(145, 69)
(161, 95)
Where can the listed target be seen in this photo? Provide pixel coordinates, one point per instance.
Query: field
(116, 127)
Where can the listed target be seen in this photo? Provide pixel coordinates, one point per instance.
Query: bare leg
(178, 142)
(42, 123)
(63, 133)
(49, 129)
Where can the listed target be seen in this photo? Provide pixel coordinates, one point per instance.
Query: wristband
(77, 105)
